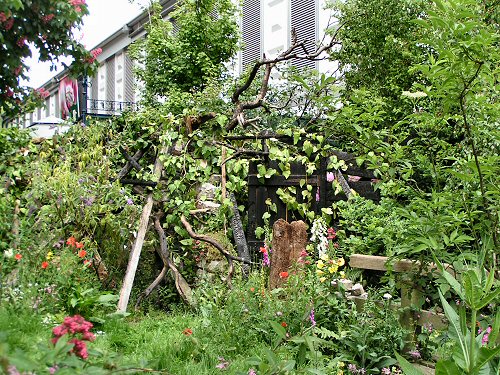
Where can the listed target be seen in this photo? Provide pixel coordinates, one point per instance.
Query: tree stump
(288, 241)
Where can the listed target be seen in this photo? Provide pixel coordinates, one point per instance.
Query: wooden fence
(260, 190)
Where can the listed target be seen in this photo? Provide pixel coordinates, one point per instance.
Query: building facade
(265, 28)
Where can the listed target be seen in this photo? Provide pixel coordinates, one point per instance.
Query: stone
(208, 205)
(345, 284)
(357, 290)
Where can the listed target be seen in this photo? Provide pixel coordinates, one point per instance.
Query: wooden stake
(223, 174)
(135, 254)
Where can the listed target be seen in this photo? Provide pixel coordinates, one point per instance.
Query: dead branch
(128, 167)
(217, 245)
(297, 50)
(130, 159)
(194, 122)
(126, 181)
(151, 287)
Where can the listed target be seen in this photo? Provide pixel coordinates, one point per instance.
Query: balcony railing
(95, 106)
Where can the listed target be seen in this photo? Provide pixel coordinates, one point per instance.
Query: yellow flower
(342, 274)
(320, 264)
(333, 269)
(340, 364)
(322, 279)
(50, 254)
(340, 262)
(340, 372)
(319, 272)
(324, 257)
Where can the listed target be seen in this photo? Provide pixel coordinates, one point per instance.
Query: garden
(343, 223)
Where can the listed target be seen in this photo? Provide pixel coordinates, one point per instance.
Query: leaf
(279, 329)
(454, 327)
(289, 365)
(447, 367)
(485, 355)
(407, 367)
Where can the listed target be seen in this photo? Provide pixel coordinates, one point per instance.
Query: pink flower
(42, 93)
(96, 52)
(317, 194)
(331, 234)
(48, 18)
(486, 336)
(330, 176)
(3, 17)
(77, 2)
(353, 178)
(18, 70)
(21, 42)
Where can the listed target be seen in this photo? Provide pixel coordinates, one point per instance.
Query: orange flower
(71, 241)
(252, 289)
(87, 263)
(45, 265)
(187, 332)
(18, 256)
(79, 245)
(283, 275)
(82, 253)
(263, 250)
(283, 324)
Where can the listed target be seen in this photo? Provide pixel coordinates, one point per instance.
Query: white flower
(414, 95)
(8, 253)
(387, 296)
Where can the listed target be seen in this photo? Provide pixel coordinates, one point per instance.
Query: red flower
(3, 17)
(283, 324)
(71, 241)
(79, 245)
(48, 18)
(18, 256)
(263, 250)
(21, 42)
(187, 332)
(82, 253)
(45, 265)
(87, 263)
(252, 289)
(283, 275)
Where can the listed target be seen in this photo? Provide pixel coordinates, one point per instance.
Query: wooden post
(135, 253)
(288, 241)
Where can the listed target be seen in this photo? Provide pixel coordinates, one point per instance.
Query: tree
(46, 25)
(185, 53)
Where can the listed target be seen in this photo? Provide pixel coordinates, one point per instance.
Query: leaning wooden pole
(135, 254)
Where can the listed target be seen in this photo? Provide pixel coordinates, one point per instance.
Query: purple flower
(252, 372)
(130, 201)
(223, 364)
(317, 194)
(330, 176)
(53, 369)
(265, 259)
(415, 354)
(352, 368)
(87, 201)
(386, 371)
(486, 337)
(311, 318)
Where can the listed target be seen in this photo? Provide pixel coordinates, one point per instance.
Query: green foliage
(378, 45)
(50, 31)
(185, 53)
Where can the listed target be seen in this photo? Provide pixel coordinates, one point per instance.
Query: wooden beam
(381, 263)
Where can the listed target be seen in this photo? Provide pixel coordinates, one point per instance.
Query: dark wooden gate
(260, 190)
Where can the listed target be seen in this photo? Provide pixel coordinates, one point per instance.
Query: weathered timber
(381, 263)
(239, 235)
(126, 181)
(128, 166)
(135, 253)
(288, 242)
(130, 159)
(180, 283)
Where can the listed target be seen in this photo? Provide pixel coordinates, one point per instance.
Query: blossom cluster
(6, 20)
(326, 265)
(79, 330)
(265, 250)
(42, 93)
(95, 52)
(318, 235)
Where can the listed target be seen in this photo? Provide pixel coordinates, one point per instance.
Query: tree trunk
(288, 242)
